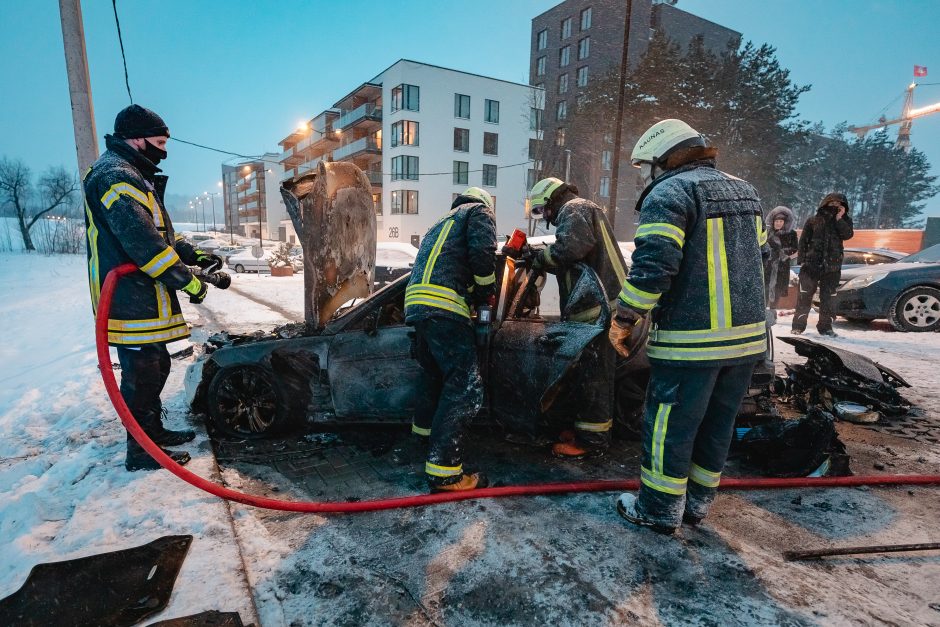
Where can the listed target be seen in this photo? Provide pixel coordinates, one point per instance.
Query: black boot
(167, 437)
(139, 459)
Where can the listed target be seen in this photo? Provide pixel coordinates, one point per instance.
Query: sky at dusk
(240, 75)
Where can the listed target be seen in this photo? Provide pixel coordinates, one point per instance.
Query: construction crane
(908, 115)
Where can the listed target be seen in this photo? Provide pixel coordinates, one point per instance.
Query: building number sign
(393, 232)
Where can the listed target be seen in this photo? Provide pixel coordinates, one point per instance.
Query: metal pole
(76, 65)
(615, 175)
(213, 211)
(258, 203)
(203, 206)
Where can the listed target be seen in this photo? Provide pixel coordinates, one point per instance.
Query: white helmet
(663, 138)
(480, 194)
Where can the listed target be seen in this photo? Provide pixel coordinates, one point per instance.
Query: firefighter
(127, 222)
(584, 234)
(455, 268)
(697, 271)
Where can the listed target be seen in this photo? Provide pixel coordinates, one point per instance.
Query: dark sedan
(861, 257)
(906, 292)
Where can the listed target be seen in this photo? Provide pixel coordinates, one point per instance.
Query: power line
(117, 21)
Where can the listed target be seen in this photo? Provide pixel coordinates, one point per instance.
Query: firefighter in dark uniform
(127, 222)
(583, 234)
(454, 269)
(697, 271)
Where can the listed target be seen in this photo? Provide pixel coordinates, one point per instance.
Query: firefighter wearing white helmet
(582, 234)
(696, 272)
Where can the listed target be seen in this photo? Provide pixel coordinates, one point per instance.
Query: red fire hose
(130, 423)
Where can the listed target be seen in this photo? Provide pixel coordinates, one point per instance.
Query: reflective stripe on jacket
(697, 266)
(126, 222)
(457, 254)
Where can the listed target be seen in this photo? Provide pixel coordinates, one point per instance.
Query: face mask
(156, 155)
(646, 173)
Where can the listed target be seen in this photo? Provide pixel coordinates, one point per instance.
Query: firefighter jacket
(697, 266)
(458, 254)
(583, 233)
(126, 222)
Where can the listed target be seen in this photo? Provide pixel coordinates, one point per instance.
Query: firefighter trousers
(827, 282)
(687, 430)
(592, 402)
(450, 395)
(144, 371)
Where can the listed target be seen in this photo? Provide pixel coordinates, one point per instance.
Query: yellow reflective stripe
(612, 251)
(681, 353)
(437, 290)
(148, 338)
(485, 280)
(94, 282)
(588, 315)
(436, 250)
(420, 430)
(761, 231)
(659, 436)
(661, 228)
(160, 262)
(440, 303)
(709, 335)
(443, 471)
(154, 207)
(662, 483)
(636, 297)
(704, 477)
(594, 427)
(144, 325)
(719, 293)
(163, 301)
(111, 196)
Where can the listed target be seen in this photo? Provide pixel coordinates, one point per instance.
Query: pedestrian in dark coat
(783, 244)
(820, 257)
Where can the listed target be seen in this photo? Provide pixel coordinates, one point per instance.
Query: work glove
(537, 257)
(621, 329)
(220, 280)
(484, 295)
(197, 290)
(208, 262)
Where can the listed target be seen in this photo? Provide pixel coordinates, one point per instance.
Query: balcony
(368, 112)
(358, 147)
(374, 177)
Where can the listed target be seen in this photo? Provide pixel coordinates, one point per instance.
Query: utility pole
(618, 129)
(76, 64)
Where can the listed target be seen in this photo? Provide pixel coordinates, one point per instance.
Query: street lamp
(212, 197)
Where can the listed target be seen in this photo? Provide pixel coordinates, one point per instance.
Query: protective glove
(621, 329)
(197, 290)
(219, 279)
(208, 262)
(538, 259)
(484, 294)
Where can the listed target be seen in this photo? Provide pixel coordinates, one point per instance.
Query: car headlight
(863, 281)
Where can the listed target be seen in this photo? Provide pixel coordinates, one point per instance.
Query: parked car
(245, 261)
(392, 260)
(906, 292)
(227, 251)
(859, 257)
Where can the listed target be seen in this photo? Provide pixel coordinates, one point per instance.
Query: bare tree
(55, 189)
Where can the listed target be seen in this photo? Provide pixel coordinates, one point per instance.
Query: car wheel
(246, 402)
(916, 310)
(239, 268)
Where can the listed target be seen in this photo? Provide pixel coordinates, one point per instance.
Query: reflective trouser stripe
(111, 196)
(160, 262)
(662, 483)
(443, 471)
(709, 335)
(612, 251)
(681, 353)
(420, 430)
(704, 477)
(719, 293)
(436, 251)
(659, 437)
(761, 231)
(595, 427)
(663, 229)
(485, 280)
(637, 298)
(94, 282)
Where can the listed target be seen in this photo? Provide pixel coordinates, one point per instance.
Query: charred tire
(247, 402)
(916, 310)
(239, 268)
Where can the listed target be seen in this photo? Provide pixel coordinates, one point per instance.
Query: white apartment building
(422, 134)
(252, 197)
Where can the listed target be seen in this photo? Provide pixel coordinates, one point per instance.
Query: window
(563, 84)
(405, 97)
(559, 137)
(605, 160)
(605, 187)
(582, 76)
(561, 112)
(564, 56)
(566, 28)
(404, 201)
(461, 106)
(404, 133)
(462, 139)
(490, 143)
(491, 111)
(530, 178)
(533, 149)
(608, 138)
(404, 168)
(377, 202)
(461, 172)
(585, 19)
(489, 175)
(535, 119)
(542, 40)
(584, 48)
(540, 66)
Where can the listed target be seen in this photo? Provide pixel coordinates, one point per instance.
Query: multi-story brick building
(578, 41)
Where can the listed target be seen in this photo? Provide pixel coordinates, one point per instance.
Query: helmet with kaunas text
(661, 139)
(480, 194)
(541, 193)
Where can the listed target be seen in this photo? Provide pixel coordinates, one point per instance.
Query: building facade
(252, 199)
(422, 134)
(578, 41)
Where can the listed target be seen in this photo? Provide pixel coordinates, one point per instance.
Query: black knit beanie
(137, 121)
